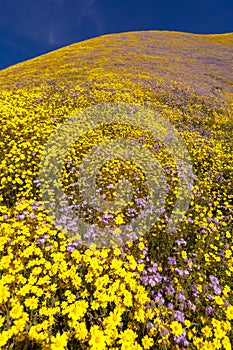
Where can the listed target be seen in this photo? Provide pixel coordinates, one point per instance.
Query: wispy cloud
(65, 21)
(49, 23)
(88, 9)
(71, 24)
(52, 38)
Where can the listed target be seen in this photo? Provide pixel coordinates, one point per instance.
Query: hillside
(171, 289)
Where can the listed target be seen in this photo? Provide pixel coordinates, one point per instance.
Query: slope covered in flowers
(161, 291)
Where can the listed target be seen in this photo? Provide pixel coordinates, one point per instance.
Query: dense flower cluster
(160, 291)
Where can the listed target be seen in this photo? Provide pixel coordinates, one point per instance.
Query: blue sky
(29, 28)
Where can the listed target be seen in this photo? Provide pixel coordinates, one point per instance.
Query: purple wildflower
(214, 279)
(37, 183)
(159, 298)
(217, 290)
(163, 332)
(153, 268)
(42, 239)
(191, 305)
(35, 205)
(181, 272)
(171, 261)
(180, 296)
(21, 215)
(181, 241)
(152, 282)
(149, 325)
(179, 316)
(215, 285)
(170, 306)
(190, 221)
(194, 290)
(170, 290)
(209, 311)
(181, 341)
(167, 280)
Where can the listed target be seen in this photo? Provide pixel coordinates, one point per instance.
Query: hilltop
(172, 69)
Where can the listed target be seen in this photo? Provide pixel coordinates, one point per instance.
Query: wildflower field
(160, 290)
